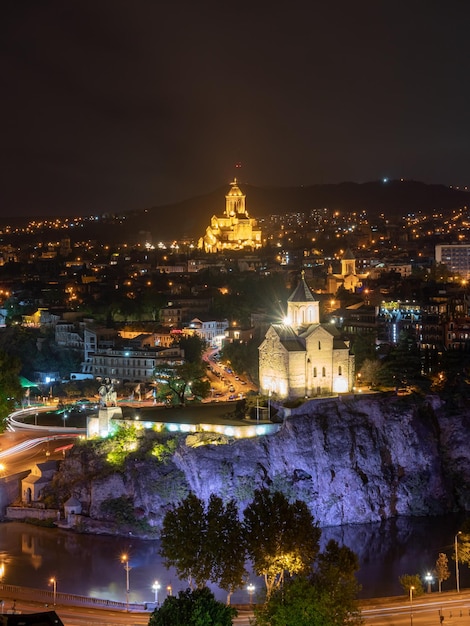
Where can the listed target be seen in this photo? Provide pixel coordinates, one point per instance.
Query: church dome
(235, 189)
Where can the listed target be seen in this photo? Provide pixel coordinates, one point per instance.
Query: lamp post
(53, 582)
(127, 567)
(411, 605)
(429, 580)
(457, 574)
(156, 586)
(250, 588)
(169, 590)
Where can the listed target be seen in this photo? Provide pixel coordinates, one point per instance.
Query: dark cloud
(114, 105)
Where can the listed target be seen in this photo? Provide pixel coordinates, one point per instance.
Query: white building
(302, 357)
(211, 331)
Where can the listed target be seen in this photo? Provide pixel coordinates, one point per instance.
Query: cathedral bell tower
(302, 307)
(235, 201)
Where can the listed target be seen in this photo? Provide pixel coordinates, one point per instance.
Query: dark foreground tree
(205, 543)
(225, 541)
(281, 537)
(193, 608)
(183, 541)
(302, 603)
(335, 575)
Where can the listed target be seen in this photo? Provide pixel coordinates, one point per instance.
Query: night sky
(109, 105)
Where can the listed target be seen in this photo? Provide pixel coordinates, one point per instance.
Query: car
(237, 378)
(231, 388)
(232, 397)
(243, 382)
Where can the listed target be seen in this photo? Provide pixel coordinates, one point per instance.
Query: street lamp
(457, 575)
(250, 588)
(53, 582)
(411, 605)
(429, 579)
(169, 590)
(127, 567)
(156, 586)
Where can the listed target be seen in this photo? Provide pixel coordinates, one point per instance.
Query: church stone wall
(297, 379)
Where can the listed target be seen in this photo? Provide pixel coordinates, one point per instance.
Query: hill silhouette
(190, 217)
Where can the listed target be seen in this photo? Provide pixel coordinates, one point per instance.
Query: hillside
(396, 198)
(189, 218)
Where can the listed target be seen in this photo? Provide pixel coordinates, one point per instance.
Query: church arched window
(323, 371)
(319, 345)
(340, 370)
(314, 372)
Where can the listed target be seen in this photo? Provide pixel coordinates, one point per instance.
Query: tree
(403, 365)
(370, 372)
(281, 537)
(183, 541)
(363, 348)
(301, 602)
(174, 381)
(336, 573)
(205, 543)
(225, 541)
(10, 386)
(411, 582)
(442, 569)
(193, 347)
(193, 608)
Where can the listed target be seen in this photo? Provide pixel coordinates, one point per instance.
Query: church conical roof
(235, 189)
(301, 293)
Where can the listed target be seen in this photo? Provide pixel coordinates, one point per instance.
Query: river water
(90, 565)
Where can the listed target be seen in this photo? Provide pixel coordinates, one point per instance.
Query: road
(225, 385)
(424, 610)
(73, 615)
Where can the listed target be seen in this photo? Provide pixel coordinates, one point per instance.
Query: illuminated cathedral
(234, 230)
(302, 358)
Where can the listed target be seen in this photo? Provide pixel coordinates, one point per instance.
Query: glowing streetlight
(156, 586)
(53, 582)
(127, 567)
(250, 588)
(429, 579)
(457, 574)
(169, 590)
(411, 605)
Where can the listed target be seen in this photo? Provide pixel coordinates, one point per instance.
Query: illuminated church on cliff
(234, 230)
(302, 357)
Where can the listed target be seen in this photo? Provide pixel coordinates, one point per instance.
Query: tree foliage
(174, 382)
(183, 541)
(193, 347)
(442, 569)
(193, 608)
(281, 537)
(403, 364)
(225, 541)
(335, 574)
(11, 391)
(243, 357)
(205, 543)
(411, 581)
(302, 602)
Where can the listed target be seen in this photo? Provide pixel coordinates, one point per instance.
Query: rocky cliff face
(355, 460)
